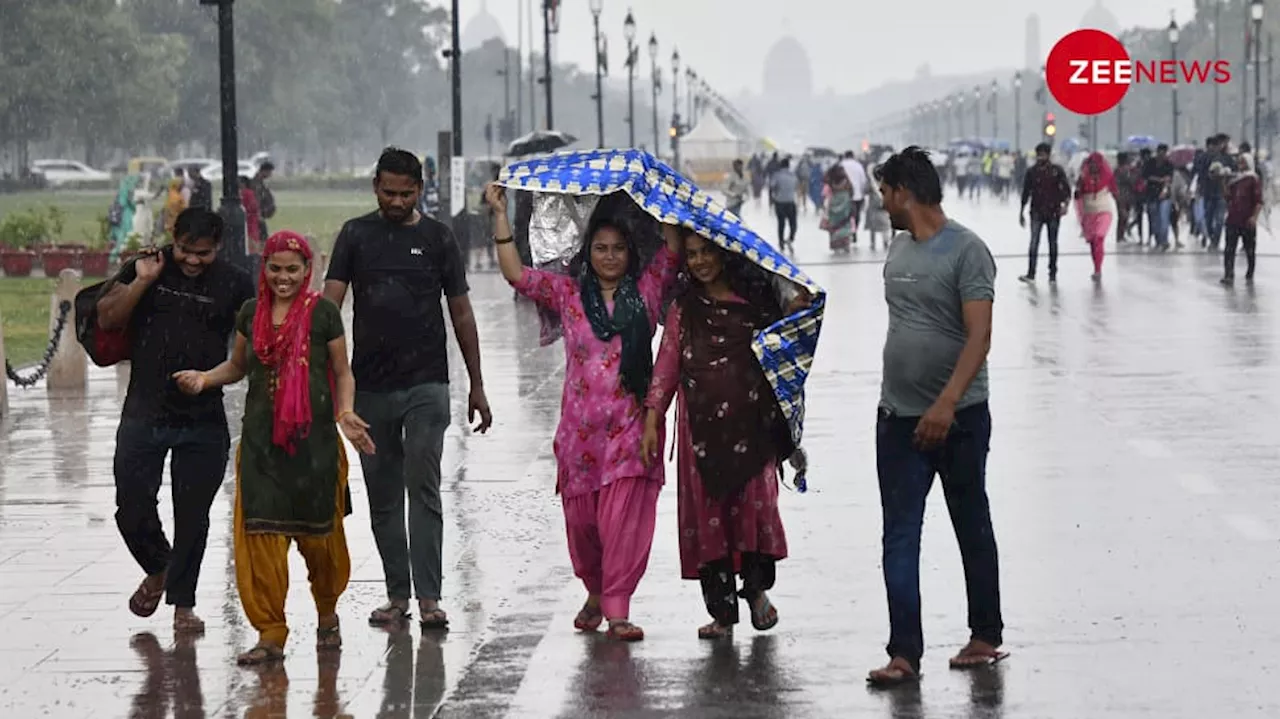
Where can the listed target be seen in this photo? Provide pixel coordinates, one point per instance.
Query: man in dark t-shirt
(1157, 173)
(179, 304)
(399, 263)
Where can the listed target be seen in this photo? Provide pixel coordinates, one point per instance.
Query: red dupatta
(286, 350)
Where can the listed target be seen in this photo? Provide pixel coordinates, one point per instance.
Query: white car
(213, 171)
(57, 173)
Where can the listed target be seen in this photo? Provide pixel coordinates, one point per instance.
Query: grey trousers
(408, 428)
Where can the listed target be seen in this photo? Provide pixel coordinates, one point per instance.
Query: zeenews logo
(1089, 71)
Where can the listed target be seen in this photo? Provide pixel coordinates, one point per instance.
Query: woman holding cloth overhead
(730, 431)
(609, 312)
(291, 469)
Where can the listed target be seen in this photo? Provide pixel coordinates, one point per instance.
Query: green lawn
(316, 213)
(24, 306)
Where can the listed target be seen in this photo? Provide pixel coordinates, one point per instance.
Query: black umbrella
(540, 141)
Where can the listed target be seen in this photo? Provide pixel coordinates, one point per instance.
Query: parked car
(58, 173)
(213, 171)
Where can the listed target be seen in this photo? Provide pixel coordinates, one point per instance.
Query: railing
(64, 365)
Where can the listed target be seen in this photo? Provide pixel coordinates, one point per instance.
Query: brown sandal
(624, 631)
(896, 673)
(144, 601)
(260, 654)
(589, 619)
(977, 654)
(329, 638)
(715, 630)
(187, 624)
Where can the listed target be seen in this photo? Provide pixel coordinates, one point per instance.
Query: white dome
(481, 28)
(787, 71)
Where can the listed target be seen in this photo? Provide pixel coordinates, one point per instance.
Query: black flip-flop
(758, 619)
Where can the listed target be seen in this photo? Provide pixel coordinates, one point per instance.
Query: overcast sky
(853, 46)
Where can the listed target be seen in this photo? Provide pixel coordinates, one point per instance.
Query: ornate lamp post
(977, 112)
(675, 108)
(629, 31)
(233, 234)
(1255, 12)
(596, 7)
(657, 88)
(1173, 53)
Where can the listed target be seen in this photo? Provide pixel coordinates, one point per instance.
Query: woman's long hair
(746, 279)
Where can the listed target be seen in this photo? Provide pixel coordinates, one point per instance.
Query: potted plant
(19, 232)
(55, 258)
(95, 261)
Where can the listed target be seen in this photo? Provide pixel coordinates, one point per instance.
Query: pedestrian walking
(178, 305)
(857, 174)
(737, 189)
(1047, 190)
(608, 306)
(728, 487)
(399, 263)
(291, 468)
(838, 209)
(783, 187)
(1126, 176)
(933, 417)
(1157, 174)
(877, 219)
(201, 189)
(1095, 206)
(1244, 204)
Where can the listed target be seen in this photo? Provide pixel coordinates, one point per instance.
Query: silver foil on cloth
(558, 225)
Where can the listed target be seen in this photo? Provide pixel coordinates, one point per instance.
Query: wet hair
(1122, 158)
(1162, 147)
(1210, 140)
(177, 172)
(197, 223)
(1044, 147)
(1144, 152)
(785, 164)
(395, 161)
(746, 279)
(1246, 147)
(913, 170)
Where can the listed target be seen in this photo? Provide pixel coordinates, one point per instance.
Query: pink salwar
(610, 533)
(1095, 226)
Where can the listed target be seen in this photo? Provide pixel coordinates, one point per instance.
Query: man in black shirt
(179, 305)
(201, 190)
(399, 263)
(1157, 173)
(1046, 189)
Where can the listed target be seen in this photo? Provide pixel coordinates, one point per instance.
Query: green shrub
(30, 228)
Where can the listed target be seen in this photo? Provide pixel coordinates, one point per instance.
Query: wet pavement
(1131, 478)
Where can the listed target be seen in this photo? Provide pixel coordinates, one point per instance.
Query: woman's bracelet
(344, 413)
(503, 240)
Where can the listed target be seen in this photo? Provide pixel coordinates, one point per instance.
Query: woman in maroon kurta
(730, 431)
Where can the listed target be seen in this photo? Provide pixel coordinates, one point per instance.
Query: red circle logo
(1082, 71)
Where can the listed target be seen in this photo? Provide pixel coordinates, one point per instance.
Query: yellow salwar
(262, 566)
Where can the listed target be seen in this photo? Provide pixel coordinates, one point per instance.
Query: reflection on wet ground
(1131, 479)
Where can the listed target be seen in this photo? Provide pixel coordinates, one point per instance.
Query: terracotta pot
(17, 263)
(95, 263)
(55, 261)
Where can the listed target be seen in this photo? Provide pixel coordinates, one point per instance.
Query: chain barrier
(64, 310)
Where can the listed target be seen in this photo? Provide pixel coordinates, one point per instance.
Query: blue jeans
(906, 476)
(1215, 214)
(1161, 212)
(1033, 252)
(197, 468)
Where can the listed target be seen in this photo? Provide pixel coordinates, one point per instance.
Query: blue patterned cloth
(786, 348)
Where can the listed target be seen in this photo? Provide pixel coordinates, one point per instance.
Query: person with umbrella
(609, 307)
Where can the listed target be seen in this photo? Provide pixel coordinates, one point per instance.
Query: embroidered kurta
(711, 528)
(601, 424)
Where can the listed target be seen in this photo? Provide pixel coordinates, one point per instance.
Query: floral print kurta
(711, 528)
(601, 424)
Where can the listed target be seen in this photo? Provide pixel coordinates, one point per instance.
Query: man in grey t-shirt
(933, 417)
(782, 190)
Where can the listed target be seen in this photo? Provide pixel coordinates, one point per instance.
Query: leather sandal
(589, 619)
(624, 631)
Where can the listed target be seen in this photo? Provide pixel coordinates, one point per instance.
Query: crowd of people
(179, 307)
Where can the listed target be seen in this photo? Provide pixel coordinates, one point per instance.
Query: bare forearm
(344, 393)
(469, 344)
(508, 256)
(224, 374)
(968, 365)
(116, 307)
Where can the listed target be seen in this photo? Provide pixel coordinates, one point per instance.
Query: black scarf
(630, 320)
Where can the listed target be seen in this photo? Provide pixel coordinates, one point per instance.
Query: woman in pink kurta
(609, 314)
(730, 432)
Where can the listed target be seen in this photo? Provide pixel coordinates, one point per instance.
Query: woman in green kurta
(291, 472)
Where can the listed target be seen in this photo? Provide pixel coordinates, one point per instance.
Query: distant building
(788, 73)
(481, 28)
(1100, 18)
(1033, 59)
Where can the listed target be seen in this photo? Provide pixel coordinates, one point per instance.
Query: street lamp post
(1173, 51)
(1017, 112)
(550, 25)
(1255, 11)
(629, 30)
(505, 72)
(675, 107)
(657, 88)
(1217, 52)
(977, 112)
(691, 108)
(455, 81)
(995, 115)
(596, 7)
(234, 247)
